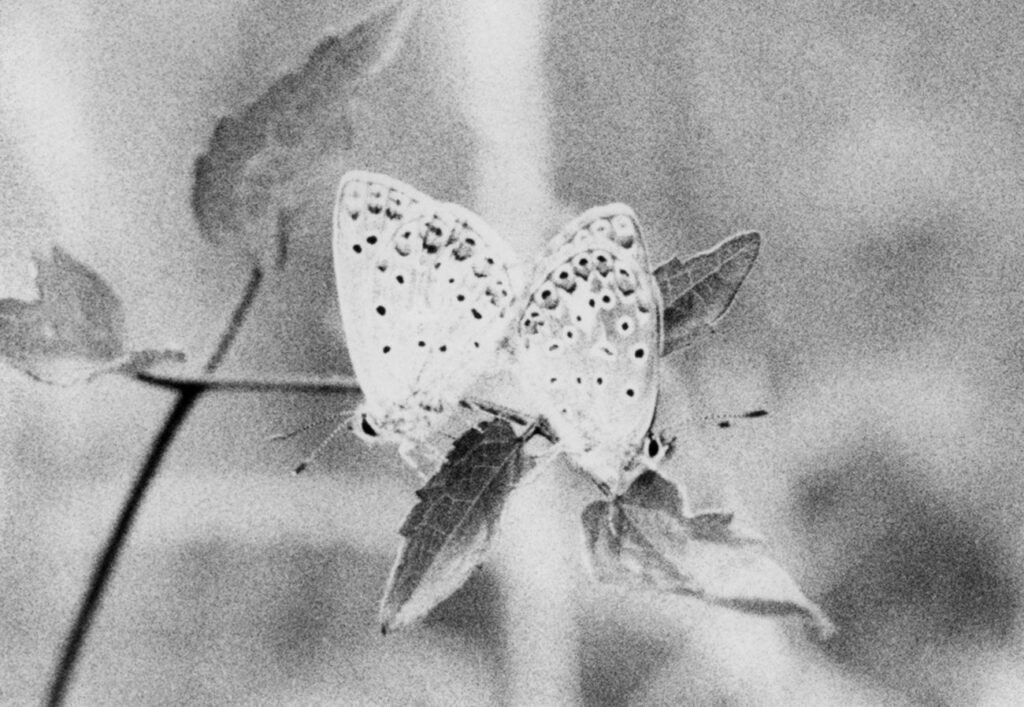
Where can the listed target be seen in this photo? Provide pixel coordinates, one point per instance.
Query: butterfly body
(426, 292)
(588, 340)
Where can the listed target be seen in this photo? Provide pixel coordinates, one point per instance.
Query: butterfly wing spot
(625, 230)
(564, 279)
(494, 295)
(375, 199)
(601, 229)
(582, 266)
(481, 268)
(548, 298)
(403, 241)
(625, 281)
(352, 198)
(396, 202)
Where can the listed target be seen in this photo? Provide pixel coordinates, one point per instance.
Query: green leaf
(278, 157)
(61, 323)
(698, 292)
(644, 540)
(447, 534)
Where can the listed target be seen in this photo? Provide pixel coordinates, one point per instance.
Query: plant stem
(335, 384)
(188, 395)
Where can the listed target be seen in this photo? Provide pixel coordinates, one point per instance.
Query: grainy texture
(262, 161)
(71, 329)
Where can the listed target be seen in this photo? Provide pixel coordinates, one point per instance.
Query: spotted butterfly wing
(426, 291)
(588, 342)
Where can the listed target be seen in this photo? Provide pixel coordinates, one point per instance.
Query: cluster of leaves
(642, 539)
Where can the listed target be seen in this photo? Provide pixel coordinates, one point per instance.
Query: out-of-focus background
(878, 147)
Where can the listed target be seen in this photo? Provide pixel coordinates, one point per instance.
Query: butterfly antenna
(301, 466)
(310, 425)
(725, 421)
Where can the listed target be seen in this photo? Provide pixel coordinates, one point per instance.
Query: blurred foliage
(879, 150)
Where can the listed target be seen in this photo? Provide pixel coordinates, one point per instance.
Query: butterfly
(427, 293)
(587, 345)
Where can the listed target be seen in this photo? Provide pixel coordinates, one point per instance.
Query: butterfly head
(366, 426)
(617, 468)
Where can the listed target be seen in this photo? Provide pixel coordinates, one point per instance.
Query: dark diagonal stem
(103, 570)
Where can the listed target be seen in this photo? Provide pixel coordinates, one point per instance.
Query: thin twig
(535, 424)
(335, 384)
(188, 395)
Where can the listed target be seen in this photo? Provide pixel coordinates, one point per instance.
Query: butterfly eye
(653, 447)
(367, 428)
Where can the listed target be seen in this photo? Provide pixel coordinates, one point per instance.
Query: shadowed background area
(878, 149)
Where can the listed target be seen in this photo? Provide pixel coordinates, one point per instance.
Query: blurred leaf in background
(61, 323)
(257, 170)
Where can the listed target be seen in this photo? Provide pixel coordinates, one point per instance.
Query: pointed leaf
(642, 540)
(447, 534)
(698, 292)
(260, 168)
(61, 323)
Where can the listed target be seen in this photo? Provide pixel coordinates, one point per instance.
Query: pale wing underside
(590, 334)
(425, 291)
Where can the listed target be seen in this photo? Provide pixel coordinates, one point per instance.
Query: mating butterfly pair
(430, 295)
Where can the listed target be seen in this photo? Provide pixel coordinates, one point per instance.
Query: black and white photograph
(517, 353)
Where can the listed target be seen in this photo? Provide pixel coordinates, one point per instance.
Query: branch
(339, 384)
(188, 395)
